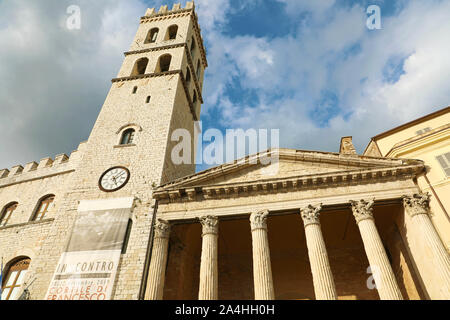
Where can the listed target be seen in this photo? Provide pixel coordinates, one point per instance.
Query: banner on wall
(88, 267)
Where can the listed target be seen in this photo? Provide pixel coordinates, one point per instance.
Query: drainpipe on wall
(148, 255)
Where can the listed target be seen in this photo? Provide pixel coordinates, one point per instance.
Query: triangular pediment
(287, 166)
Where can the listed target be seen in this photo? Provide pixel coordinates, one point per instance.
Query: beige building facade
(306, 225)
(426, 139)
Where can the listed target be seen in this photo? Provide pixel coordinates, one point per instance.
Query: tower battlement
(164, 10)
(46, 166)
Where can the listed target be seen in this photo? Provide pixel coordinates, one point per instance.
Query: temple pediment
(286, 168)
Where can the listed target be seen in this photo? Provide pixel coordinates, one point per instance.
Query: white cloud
(212, 14)
(299, 6)
(322, 56)
(55, 79)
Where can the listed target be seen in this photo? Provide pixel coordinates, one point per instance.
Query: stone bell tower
(157, 91)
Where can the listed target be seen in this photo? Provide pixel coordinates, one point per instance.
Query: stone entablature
(285, 202)
(293, 155)
(382, 170)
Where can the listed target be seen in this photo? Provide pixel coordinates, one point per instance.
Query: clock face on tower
(114, 179)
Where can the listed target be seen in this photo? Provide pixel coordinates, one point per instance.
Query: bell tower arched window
(11, 286)
(7, 212)
(139, 67)
(164, 63)
(198, 70)
(172, 32)
(152, 35)
(188, 76)
(127, 137)
(192, 48)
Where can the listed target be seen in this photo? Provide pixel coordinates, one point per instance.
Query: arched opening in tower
(140, 67)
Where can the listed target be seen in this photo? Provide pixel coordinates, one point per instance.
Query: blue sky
(311, 69)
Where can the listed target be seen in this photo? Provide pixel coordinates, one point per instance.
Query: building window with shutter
(11, 287)
(6, 213)
(43, 207)
(127, 137)
(444, 161)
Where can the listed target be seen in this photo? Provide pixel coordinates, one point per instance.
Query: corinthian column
(157, 271)
(379, 263)
(262, 269)
(324, 287)
(208, 289)
(435, 253)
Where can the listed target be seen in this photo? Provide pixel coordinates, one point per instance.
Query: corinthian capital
(362, 209)
(311, 214)
(162, 229)
(258, 220)
(416, 204)
(210, 224)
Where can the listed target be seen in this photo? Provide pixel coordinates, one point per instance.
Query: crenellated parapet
(44, 168)
(164, 10)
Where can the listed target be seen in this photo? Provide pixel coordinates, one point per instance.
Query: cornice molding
(145, 76)
(157, 16)
(420, 142)
(360, 162)
(290, 184)
(169, 46)
(412, 123)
